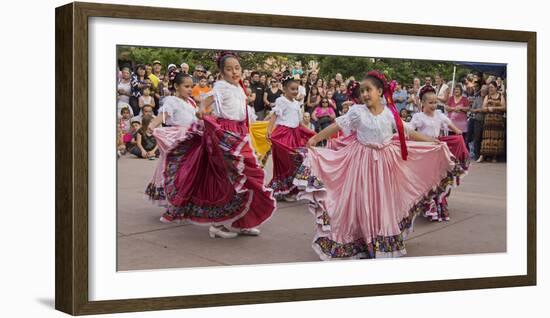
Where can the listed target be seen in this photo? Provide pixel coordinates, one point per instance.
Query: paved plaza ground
(477, 225)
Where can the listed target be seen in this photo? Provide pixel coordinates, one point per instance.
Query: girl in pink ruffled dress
(372, 186)
(177, 114)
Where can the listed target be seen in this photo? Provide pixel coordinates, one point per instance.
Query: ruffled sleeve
(443, 118)
(416, 122)
(350, 121)
(168, 106)
(280, 106)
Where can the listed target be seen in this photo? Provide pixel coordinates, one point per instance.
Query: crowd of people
(476, 104)
(369, 154)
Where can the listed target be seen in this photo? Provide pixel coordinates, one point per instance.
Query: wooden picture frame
(71, 268)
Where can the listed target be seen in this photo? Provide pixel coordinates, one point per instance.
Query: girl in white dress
(431, 121)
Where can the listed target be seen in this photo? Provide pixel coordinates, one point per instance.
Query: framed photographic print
(220, 158)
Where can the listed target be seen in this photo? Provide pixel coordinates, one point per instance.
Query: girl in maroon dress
(212, 177)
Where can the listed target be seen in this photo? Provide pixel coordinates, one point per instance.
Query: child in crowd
(146, 144)
(146, 98)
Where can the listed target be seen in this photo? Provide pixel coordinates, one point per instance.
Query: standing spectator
(146, 99)
(124, 61)
(155, 84)
(339, 79)
(184, 67)
(198, 73)
(313, 99)
(427, 82)
(157, 70)
(320, 84)
(311, 79)
(271, 94)
(139, 82)
(340, 97)
(477, 120)
(500, 88)
(332, 84)
(442, 92)
(200, 89)
(457, 107)
(301, 98)
(400, 97)
(263, 80)
(257, 95)
(494, 107)
(124, 87)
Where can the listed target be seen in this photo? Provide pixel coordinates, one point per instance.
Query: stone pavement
(477, 225)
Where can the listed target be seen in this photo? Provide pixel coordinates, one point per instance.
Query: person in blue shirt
(400, 97)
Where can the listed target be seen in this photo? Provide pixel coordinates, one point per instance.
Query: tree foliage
(402, 70)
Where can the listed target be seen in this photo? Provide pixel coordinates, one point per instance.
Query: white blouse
(288, 112)
(370, 128)
(181, 112)
(229, 101)
(430, 125)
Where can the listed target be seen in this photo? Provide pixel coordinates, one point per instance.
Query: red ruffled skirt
(213, 177)
(286, 144)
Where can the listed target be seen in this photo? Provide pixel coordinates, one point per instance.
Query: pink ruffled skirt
(368, 196)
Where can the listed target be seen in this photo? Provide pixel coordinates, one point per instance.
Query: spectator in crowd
(500, 85)
(263, 80)
(146, 144)
(139, 82)
(332, 84)
(199, 72)
(427, 82)
(124, 87)
(320, 84)
(442, 92)
(494, 107)
(306, 121)
(146, 110)
(400, 97)
(157, 70)
(297, 69)
(200, 89)
(457, 107)
(164, 90)
(124, 61)
(152, 77)
(271, 94)
(323, 115)
(339, 79)
(404, 114)
(340, 96)
(330, 97)
(477, 119)
(311, 80)
(184, 68)
(301, 98)
(313, 99)
(146, 99)
(257, 95)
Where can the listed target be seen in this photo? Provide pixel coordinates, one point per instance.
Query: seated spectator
(306, 121)
(146, 143)
(323, 115)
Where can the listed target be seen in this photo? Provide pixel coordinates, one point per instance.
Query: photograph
(228, 157)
